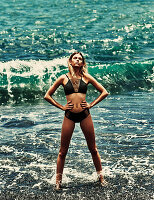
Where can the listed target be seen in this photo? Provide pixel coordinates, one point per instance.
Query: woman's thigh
(66, 132)
(88, 130)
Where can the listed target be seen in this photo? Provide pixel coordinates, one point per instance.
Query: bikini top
(69, 89)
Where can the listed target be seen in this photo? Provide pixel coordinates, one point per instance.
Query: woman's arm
(52, 89)
(100, 88)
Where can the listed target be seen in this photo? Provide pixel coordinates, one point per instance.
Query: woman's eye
(77, 58)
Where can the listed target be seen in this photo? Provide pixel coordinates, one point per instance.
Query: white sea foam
(37, 185)
(6, 149)
(10, 168)
(32, 66)
(130, 28)
(26, 69)
(41, 165)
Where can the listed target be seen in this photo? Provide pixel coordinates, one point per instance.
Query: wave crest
(29, 80)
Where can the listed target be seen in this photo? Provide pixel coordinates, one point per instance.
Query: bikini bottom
(77, 117)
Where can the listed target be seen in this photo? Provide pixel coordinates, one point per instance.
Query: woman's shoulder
(61, 78)
(87, 75)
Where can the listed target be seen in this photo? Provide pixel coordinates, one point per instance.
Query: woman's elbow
(46, 97)
(105, 93)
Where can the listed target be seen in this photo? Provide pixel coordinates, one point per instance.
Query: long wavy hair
(83, 69)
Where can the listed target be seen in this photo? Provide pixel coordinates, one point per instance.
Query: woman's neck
(77, 72)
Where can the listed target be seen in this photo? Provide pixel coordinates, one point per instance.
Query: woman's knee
(93, 151)
(62, 154)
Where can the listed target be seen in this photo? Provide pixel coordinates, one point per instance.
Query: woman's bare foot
(101, 179)
(58, 181)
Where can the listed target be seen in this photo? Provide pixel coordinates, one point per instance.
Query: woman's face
(77, 60)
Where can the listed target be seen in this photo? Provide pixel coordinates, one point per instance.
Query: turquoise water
(106, 31)
(36, 38)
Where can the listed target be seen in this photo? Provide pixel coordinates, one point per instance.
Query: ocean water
(116, 38)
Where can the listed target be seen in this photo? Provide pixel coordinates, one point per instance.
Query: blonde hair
(83, 69)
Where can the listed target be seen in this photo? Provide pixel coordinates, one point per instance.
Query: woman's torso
(75, 97)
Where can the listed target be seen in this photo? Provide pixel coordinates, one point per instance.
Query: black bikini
(69, 89)
(77, 117)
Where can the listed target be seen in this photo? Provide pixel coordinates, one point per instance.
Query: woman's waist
(77, 108)
(73, 111)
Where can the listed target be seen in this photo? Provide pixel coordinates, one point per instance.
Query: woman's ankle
(58, 178)
(101, 178)
(58, 181)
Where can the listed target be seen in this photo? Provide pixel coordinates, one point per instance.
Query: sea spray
(29, 80)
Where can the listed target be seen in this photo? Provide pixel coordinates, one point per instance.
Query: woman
(76, 110)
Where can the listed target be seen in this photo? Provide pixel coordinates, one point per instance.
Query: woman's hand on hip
(68, 106)
(85, 105)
